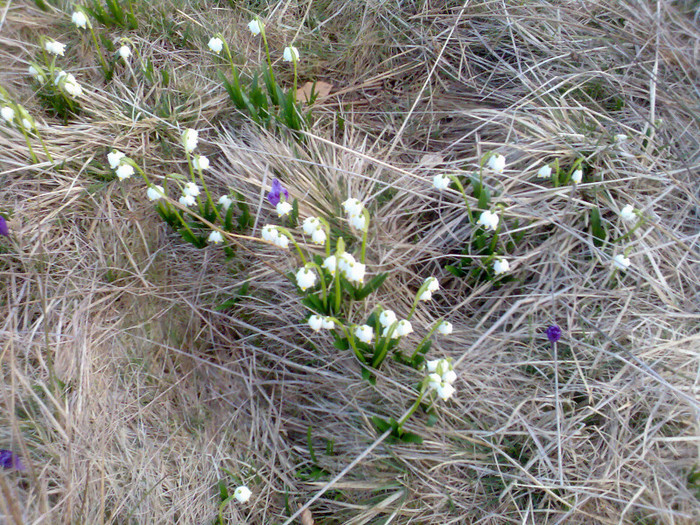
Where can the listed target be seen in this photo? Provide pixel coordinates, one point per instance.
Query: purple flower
(9, 460)
(553, 333)
(276, 193)
(4, 230)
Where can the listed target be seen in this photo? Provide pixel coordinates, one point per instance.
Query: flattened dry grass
(130, 395)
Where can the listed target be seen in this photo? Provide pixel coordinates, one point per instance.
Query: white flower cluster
(116, 160)
(316, 322)
(389, 322)
(353, 270)
(356, 214)
(67, 82)
(315, 228)
(54, 47)
(433, 286)
(440, 377)
(271, 234)
(189, 194)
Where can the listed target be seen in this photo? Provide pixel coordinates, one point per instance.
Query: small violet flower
(553, 333)
(276, 193)
(9, 460)
(242, 494)
(4, 228)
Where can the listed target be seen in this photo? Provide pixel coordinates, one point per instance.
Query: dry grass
(129, 395)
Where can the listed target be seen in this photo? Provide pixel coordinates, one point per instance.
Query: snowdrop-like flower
(189, 139)
(621, 262)
(69, 83)
(242, 494)
(359, 222)
(577, 176)
(269, 233)
(330, 264)
(306, 278)
(627, 213)
(445, 391)
(255, 26)
(488, 220)
(544, 172)
(283, 208)
(200, 162)
(345, 262)
(353, 207)
(191, 189)
(403, 328)
(355, 272)
(319, 236)
(497, 162)
(282, 241)
(445, 328)
(79, 19)
(27, 124)
(36, 74)
(500, 266)
(124, 52)
(620, 137)
(155, 192)
(310, 225)
(433, 284)
(225, 202)
(54, 47)
(364, 333)
(316, 322)
(215, 237)
(187, 200)
(8, 113)
(328, 323)
(216, 45)
(387, 318)
(124, 171)
(441, 181)
(291, 54)
(73, 89)
(114, 158)
(427, 295)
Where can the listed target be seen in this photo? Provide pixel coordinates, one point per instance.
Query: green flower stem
(415, 406)
(103, 62)
(351, 340)
(427, 336)
(43, 144)
(638, 225)
(323, 281)
(422, 289)
(494, 241)
(209, 199)
(130, 162)
(365, 231)
(267, 49)
(233, 67)
(464, 195)
(35, 160)
(294, 91)
(285, 231)
(337, 288)
(384, 349)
